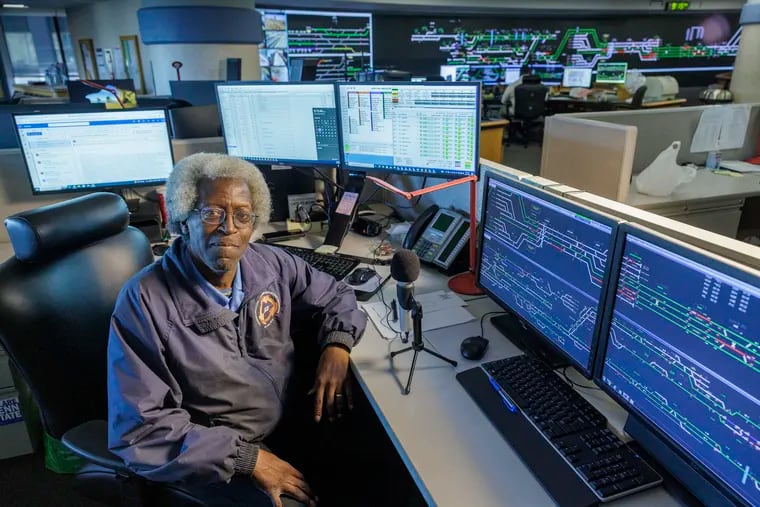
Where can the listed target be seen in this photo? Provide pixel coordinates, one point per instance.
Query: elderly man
(200, 352)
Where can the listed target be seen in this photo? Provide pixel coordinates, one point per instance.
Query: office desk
(712, 201)
(455, 455)
(563, 104)
(492, 139)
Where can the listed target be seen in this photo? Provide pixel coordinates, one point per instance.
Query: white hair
(182, 186)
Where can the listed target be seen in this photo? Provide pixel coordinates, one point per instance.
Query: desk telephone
(438, 236)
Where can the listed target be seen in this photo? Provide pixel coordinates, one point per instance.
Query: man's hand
(277, 477)
(331, 386)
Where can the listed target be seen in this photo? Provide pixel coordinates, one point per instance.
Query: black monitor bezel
(443, 174)
(283, 161)
(94, 188)
(588, 369)
(695, 254)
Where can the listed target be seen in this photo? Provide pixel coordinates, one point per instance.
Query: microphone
(405, 269)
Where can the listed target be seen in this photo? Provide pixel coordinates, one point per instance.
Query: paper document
(734, 128)
(740, 167)
(440, 309)
(721, 128)
(707, 135)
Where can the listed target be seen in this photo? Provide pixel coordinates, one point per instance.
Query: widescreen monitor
(102, 91)
(426, 129)
(455, 72)
(511, 74)
(72, 152)
(546, 260)
(280, 123)
(682, 354)
(196, 92)
(611, 73)
(577, 77)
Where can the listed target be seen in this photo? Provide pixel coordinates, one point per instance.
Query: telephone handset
(438, 236)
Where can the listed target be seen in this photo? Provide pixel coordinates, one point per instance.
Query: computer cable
(575, 384)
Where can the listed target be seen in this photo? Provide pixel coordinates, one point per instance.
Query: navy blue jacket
(193, 386)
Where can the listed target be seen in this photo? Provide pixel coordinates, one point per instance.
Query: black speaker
(234, 69)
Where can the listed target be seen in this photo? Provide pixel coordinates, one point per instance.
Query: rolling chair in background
(530, 107)
(636, 100)
(56, 299)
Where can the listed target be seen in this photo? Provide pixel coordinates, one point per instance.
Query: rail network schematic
(547, 263)
(338, 44)
(666, 43)
(683, 351)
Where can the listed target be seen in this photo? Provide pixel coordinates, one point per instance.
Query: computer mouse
(360, 276)
(474, 347)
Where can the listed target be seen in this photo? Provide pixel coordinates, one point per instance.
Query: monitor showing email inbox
(66, 152)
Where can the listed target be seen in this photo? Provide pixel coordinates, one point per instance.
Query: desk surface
(455, 455)
(493, 124)
(706, 186)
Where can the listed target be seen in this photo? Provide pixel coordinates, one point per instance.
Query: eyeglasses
(241, 217)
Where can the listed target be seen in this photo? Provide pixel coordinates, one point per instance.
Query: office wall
(657, 128)
(104, 22)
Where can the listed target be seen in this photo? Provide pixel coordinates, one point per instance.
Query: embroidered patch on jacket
(267, 307)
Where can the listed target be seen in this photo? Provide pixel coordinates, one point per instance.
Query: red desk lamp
(463, 283)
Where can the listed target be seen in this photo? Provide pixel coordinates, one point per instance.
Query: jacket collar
(195, 308)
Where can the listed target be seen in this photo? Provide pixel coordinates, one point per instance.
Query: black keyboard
(556, 414)
(333, 264)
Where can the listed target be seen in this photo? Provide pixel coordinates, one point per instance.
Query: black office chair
(56, 299)
(530, 107)
(636, 101)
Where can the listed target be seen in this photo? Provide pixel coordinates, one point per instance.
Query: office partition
(589, 155)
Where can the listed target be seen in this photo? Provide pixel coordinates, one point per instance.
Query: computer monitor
(195, 122)
(196, 92)
(511, 74)
(97, 91)
(426, 129)
(611, 73)
(545, 260)
(280, 123)
(455, 72)
(680, 354)
(577, 77)
(72, 152)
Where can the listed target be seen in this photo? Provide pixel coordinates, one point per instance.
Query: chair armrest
(90, 441)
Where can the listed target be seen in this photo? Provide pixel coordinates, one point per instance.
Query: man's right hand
(277, 478)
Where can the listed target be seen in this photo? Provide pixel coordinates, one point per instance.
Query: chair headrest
(41, 233)
(531, 79)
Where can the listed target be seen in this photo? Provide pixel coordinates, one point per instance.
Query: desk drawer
(720, 221)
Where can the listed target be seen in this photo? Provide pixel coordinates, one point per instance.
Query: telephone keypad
(426, 249)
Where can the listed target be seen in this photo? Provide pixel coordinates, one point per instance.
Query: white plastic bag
(663, 175)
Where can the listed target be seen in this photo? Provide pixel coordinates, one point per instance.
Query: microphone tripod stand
(418, 345)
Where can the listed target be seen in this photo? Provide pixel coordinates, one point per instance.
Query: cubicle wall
(658, 128)
(590, 155)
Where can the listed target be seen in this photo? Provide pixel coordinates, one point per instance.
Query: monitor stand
(527, 340)
(343, 213)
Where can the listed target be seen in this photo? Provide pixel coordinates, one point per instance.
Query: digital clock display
(677, 6)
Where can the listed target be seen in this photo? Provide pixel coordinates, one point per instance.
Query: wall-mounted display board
(691, 46)
(315, 45)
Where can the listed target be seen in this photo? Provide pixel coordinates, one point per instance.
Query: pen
(504, 396)
(394, 310)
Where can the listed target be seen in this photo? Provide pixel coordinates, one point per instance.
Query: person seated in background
(200, 352)
(508, 98)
